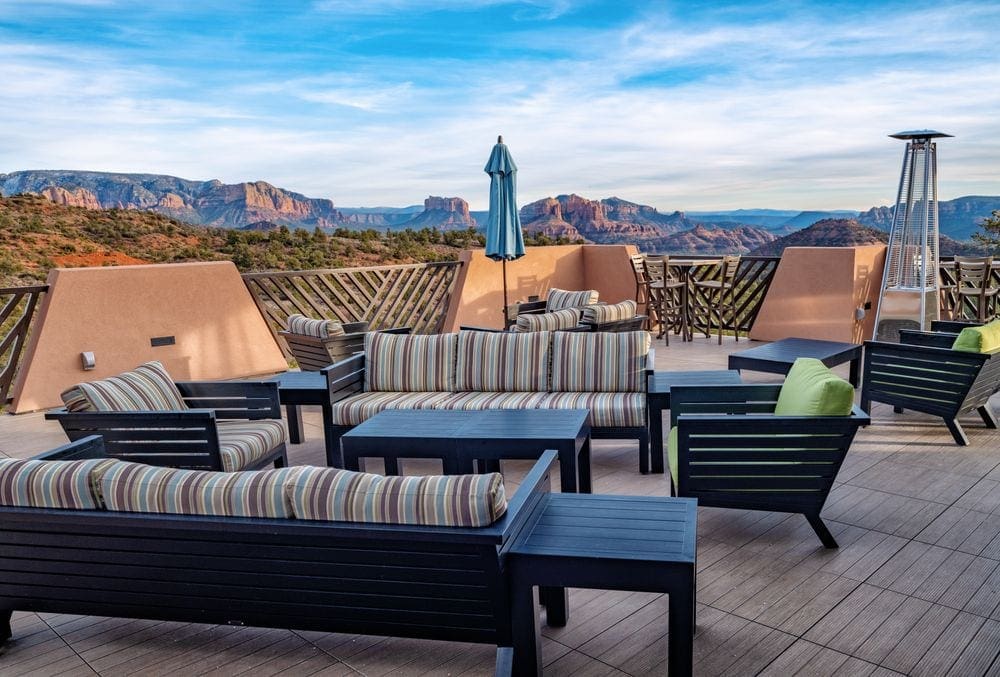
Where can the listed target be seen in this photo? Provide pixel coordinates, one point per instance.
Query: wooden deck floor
(914, 587)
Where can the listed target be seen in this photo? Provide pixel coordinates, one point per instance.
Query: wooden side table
(635, 543)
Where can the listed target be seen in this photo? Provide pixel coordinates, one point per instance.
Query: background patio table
(778, 357)
(684, 267)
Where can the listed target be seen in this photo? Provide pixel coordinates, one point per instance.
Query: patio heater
(909, 298)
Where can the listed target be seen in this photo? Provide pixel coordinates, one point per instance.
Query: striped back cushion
(560, 319)
(336, 495)
(560, 298)
(502, 362)
(50, 484)
(410, 363)
(599, 362)
(599, 314)
(148, 387)
(300, 324)
(134, 487)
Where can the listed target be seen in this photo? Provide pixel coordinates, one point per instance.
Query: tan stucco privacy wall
(114, 312)
(478, 297)
(816, 292)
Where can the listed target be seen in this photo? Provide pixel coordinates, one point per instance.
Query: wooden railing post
(17, 311)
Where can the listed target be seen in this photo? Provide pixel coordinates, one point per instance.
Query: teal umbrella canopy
(504, 241)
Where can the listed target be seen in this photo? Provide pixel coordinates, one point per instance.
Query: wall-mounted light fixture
(87, 359)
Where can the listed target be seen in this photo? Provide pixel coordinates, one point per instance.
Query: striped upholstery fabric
(241, 443)
(482, 401)
(148, 387)
(359, 408)
(331, 494)
(624, 410)
(134, 487)
(410, 363)
(599, 362)
(559, 299)
(50, 484)
(502, 362)
(300, 324)
(560, 319)
(599, 314)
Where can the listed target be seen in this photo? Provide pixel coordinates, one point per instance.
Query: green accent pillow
(672, 453)
(811, 389)
(984, 339)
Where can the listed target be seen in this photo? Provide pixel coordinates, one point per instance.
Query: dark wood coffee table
(777, 357)
(658, 386)
(459, 438)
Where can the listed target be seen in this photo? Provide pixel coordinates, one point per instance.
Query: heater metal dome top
(919, 134)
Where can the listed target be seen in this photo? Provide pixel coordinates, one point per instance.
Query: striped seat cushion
(560, 319)
(483, 401)
(599, 314)
(607, 410)
(242, 443)
(134, 487)
(331, 494)
(599, 362)
(300, 324)
(559, 299)
(148, 387)
(410, 363)
(502, 362)
(50, 484)
(358, 408)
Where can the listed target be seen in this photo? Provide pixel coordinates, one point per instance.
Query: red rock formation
(448, 213)
(77, 197)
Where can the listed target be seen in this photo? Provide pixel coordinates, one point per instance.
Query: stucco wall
(478, 297)
(114, 312)
(816, 292)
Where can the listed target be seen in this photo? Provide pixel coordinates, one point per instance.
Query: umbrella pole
(504, 263)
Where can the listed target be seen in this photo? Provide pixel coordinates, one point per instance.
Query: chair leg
(820, 528)
(281, 461)
(897, 410)
(956, 431)
(988, 417)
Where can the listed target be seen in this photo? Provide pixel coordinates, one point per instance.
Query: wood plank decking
(913, 589)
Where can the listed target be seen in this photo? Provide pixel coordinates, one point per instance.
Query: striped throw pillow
(502, 362)
(560, 298)
(51, 484)
(134, 487)
(560, 319)
(410, 363)
(599, 362)
(148, 387)
(599, 314)
(300, 324)
(335, 495)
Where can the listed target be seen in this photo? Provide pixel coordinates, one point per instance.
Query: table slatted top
(663, 381)
(528, 424)
(788, 349)
(613, 527)
(302, 387)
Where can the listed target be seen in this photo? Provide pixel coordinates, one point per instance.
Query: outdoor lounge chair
(145, 417)
(319, 343)
(924, 373)
(556, 299)
(728, 449)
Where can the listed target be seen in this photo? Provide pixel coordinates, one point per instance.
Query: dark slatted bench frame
(393, 580)
(347, 377)
(180, 439)
(713, 426)
(313, 353)
(911, 375)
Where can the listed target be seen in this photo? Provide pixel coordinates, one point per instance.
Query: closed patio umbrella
(504, 241)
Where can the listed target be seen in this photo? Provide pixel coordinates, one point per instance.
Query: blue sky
(681, 105)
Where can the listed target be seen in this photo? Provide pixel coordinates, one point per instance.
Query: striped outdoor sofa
(144, 416)
(317, 549)
(476, 370)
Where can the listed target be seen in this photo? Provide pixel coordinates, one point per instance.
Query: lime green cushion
(672, 453)
(811, 389)
(984, 339)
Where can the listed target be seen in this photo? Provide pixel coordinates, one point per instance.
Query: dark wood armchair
(313, 353)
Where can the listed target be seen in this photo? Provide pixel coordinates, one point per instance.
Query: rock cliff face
(826, 233)
(958, 219)
(210, 203)
(706, 240)
(609, 221)
(444, 213)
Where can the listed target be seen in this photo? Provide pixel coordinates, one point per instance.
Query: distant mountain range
(259, 205)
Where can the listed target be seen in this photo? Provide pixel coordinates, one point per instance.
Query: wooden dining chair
(672, 295)
(717, 298)
(646, 296)
(974, 287)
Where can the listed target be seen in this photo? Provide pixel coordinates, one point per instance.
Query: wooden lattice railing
(17, 309)
(414, 295)
(753, 279)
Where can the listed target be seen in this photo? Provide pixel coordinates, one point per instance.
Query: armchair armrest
(233, 399)
(355, 327)
(529, 494)
(91, 446)
(397, 330)
(345, 378)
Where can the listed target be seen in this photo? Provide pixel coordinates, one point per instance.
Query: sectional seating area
(474, 370)
(93, 535)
